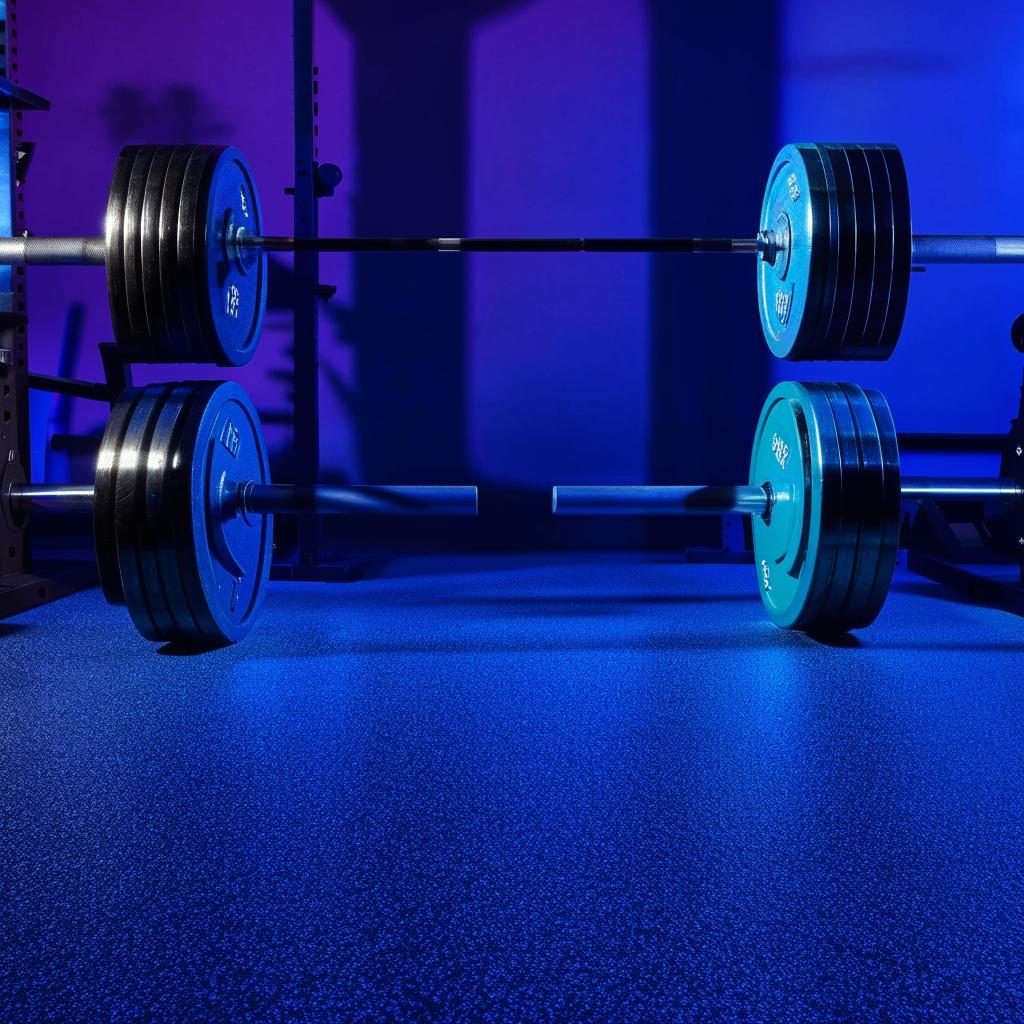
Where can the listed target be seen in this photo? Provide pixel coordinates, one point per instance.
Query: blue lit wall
(546, 116)
(945, 83)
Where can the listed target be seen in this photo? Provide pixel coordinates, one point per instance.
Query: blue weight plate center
(792, 289)
(232, 551)
(796, 455)
(235, 282)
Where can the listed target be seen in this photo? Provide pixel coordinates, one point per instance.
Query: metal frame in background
(969, 547)
(308, 293)
(20, 587)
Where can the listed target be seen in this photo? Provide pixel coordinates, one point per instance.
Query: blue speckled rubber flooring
(515, 790)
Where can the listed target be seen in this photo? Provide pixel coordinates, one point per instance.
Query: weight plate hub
(825, 554)
(224, 555)
(791, 290)
(231, 281)
(835, 290)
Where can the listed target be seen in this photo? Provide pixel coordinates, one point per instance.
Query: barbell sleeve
(359, 500)
(22, 250)
(266, 499)
(916, 488)
(698, 500)
(54, 497)
(967, 249)
(658, 501)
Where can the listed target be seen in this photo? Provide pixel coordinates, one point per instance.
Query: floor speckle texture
(515, 790)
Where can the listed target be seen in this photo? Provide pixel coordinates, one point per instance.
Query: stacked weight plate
(836, 284)
(172, 542)
(826, 552)
(180, 287)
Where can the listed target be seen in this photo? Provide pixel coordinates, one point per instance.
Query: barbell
(182, 508)
(185, 253)
(825, 498)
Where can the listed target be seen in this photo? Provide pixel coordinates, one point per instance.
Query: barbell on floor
(824, 495)
(185, 253)
(183, 506)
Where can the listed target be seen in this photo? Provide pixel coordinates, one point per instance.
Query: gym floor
(509, 789)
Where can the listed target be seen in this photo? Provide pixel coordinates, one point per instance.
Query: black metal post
(306, 395)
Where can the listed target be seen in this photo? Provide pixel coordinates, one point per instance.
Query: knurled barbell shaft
(282, 243)
(91, 250)
(698, 500)
(263, 499)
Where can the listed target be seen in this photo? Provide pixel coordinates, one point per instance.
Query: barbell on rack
(185, 253)
(182, 509)
(825, 498)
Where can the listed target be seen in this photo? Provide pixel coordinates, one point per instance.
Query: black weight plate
(173, 523)
(149, 255)
(892, 505)
(847, 535)
(152, 522)
(881, 295)
(829, 452)
(114, 239)
(132, 248)
(871, 512)
(174, 327)
(844, 299)
(830, 290)
(129, 483)
(854, 342)
(191, 239)
(899, 190)
(105, 493)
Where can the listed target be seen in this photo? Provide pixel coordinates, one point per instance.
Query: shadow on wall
(165, 116)
(407, 325)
